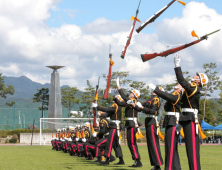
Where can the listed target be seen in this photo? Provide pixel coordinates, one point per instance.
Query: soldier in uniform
(131, 123)
(102, 135)
(72, 137)
(189, 115)
(58, 142)
(85, 136)
(115, 114)
(53, 141)
(172, 113)
(75, 139)
(90, 145)
(150, 108)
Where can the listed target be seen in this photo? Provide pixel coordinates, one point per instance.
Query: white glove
(77, 139)
(117, 81)
(139, 104)
(94, 105)
(130, 102)
(94, 134)
(84, 140)
(177, 60)
(152, 86)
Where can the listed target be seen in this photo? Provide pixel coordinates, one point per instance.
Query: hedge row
(5, 133)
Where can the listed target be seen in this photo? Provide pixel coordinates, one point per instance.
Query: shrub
(13, 140)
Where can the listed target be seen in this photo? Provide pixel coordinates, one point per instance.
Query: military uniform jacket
(104, 128)
(173, 104)
(190, 98)
(114, 112)
(129, 110)
(151, 107)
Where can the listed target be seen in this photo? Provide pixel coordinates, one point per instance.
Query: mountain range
(24, 88)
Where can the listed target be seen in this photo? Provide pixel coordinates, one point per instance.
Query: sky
(77, 35)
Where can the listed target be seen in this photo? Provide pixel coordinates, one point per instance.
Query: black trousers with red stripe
(172, 160)
(90, 149)
(100, 144)
(153, 146)
(131, 141)
(113, 142)
(73, 147)
(192, 144)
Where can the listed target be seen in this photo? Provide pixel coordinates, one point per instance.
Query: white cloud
(28, 44)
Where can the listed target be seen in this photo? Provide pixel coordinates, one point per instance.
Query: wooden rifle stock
(106, 93)
(131, 33)
(146, 57)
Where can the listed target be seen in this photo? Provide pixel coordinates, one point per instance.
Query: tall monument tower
(55, 104)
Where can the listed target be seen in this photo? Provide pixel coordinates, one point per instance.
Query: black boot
(98, 159)
(156, 168)
(121, 161)
(112, 158)
(106, 162)
(137, 163)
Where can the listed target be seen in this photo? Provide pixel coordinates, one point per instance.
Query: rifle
(131, 32)
(95, 101)
(106, 93)
(146, 57)
(156, 15)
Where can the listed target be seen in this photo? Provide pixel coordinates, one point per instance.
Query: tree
(5, 90)
(87, 98)
(42, 96)
(209, 117)
(213, 83)
(219, 116)
(68, 98)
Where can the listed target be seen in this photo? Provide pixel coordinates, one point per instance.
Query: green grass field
(44, 158)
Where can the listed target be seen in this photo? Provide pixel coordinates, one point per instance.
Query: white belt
(195, 112)
(176, 114)
(116, 121)
(188, 110)
(131, 118)
(151, 116)
(134, 119)
(172, 113)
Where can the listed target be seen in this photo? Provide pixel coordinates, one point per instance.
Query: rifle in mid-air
(156, 15)
(146, 57)
(131, 32)
(106, 93)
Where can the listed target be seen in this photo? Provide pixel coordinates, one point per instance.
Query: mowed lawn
(44, 158)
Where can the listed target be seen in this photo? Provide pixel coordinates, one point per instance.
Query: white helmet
(71, 128)
(136, 93)
(203, 79)
(58, 130)
(87, 124)
(119, 98)
(64, 129)
(161, 88)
